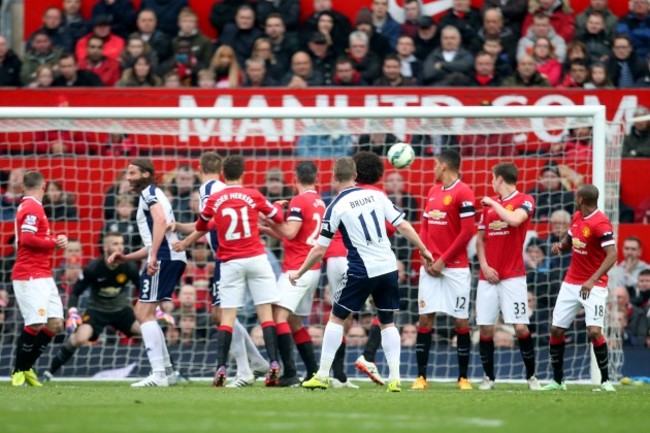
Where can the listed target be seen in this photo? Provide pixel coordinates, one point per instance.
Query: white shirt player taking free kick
(372, 267)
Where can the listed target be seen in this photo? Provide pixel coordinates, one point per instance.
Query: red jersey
(337, 247)
(234, 212)
(589, 237)
(35, 243)
(448, 223)
(307, 208)
(504, 245)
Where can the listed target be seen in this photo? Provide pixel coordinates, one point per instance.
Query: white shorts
(337, 267)
(253, 274)
(569, 302)
(510, 297)
(38, 300)
(447, 294)
(299, 298)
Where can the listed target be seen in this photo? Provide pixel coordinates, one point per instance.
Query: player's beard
(140, 184)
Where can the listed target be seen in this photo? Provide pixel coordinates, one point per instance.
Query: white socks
(390, 341)
(331, 341)
(154, 341)
(238, 350)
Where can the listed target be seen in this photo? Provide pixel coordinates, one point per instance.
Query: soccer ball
(401, 155)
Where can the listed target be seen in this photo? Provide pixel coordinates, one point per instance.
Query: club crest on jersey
(422, 303)
(447, 200)
(437, 215)
(586, 232)
(121, 278)
(509, 207)
(497, 225)
(41, 312)
(30, 220)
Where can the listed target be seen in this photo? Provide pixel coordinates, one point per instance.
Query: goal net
(83, 153)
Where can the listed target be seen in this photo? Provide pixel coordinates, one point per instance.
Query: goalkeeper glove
(74, 320)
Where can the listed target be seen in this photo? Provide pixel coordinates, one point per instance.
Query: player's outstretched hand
(293, 278)
(74, 320)
(61, 241)
(152, 268)
(491, 275)
(179, 246)
(556, 248)
(171, 226)
(117, 258)
(487, 201)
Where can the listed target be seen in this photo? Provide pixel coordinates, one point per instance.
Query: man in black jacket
(549, 193)
(10, 65)
(71, 76)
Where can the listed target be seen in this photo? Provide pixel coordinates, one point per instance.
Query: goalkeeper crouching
(109, 302)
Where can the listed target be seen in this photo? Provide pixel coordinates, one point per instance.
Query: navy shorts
(383, 288)
(216, 277)
(161, 285)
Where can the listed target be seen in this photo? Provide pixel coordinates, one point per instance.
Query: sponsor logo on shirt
(497, 225)
(578, 245)
(437, 215)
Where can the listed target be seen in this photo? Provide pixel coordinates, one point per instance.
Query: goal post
(270, 137)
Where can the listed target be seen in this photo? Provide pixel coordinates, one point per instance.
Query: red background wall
(34, 10)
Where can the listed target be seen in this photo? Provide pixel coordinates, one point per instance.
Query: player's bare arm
(514, 218)
(159, 229)
(183, 228)
(605, 266)
(118, 257)
(288, 229)
(490, 273)
(185, 243)
(406, 229)
(315, 255)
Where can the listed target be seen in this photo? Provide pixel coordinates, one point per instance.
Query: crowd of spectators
(539, 43)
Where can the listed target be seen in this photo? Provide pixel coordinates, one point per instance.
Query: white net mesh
(87, 157)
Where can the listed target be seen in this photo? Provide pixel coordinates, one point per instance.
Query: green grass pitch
(92, 407)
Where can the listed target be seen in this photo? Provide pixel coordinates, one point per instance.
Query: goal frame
(597, 114)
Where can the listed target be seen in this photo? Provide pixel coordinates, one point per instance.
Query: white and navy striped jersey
(149, 197)
(205, 191)
(360, 214)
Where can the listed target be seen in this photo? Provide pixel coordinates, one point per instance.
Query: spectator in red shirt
(108, 70)
(485, 74)
(411, 18)
(577, 76)
(546, 61)
(113, 44)
(559, 12)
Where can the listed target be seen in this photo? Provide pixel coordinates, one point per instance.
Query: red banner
(620, 104)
